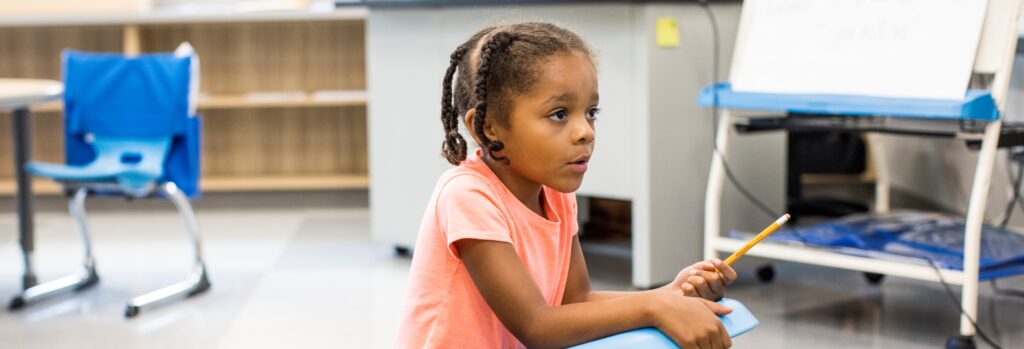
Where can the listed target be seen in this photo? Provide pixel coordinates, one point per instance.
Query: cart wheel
(960, 342)
(766, 273)
(402, 251)
(874, 278)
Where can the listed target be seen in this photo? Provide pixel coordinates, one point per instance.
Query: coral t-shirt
(443, 308)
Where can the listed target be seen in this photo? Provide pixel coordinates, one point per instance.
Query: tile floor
(298, 270)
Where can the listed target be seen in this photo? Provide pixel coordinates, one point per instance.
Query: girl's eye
(560, 115)
(592, 113)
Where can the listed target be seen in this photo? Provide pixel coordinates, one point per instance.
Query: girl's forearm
(566, 325)
(597, 296)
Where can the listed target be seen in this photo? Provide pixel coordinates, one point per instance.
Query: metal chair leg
(197, 281)
(76, 282)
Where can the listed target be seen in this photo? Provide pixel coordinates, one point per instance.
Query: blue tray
(976, 104)
(736, 323)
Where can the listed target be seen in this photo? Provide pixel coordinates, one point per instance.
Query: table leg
(26, 227)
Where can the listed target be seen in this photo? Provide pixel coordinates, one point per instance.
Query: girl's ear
(489, 128)
(468, 120)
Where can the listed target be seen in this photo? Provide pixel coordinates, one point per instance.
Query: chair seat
(66, 173)
(132, 163)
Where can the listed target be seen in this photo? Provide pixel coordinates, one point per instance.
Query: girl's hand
(690, 322)
(706, 279)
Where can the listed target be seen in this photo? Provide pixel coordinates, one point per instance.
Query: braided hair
(508, 61)
(454, 146)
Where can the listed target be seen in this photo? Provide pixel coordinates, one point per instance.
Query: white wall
(408, 53)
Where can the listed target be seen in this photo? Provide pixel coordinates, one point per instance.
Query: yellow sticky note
(666, 32)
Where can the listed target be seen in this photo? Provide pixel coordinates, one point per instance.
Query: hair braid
(454, 146)
(497, 42)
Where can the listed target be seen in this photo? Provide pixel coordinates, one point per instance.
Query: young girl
(497, 262)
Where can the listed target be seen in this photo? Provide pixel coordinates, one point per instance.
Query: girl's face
(550, 133)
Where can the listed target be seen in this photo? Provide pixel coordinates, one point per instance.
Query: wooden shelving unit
(215, 184)
(233, 183)
(39, 186)
(350, 98)
(282, 94)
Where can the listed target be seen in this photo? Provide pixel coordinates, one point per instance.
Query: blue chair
(130, 129)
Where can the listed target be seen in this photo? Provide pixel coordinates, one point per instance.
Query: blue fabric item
(114, 95)
(976, 104)
(933, 236)
(738, 322)
(129, 101)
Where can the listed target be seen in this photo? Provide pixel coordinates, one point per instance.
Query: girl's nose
(583, 131)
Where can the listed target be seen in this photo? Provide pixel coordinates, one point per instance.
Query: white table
(17, 95)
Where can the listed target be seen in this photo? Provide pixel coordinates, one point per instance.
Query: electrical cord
(952, 296)
(1015, 180)
(1013, 155)
(715, 114)
(1016, 191)
(996, 332)
(764, 208)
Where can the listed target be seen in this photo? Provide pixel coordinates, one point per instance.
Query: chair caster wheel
(402, 251)
(16, 303)
(131, 311)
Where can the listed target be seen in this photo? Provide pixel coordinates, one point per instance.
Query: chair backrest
(111, 95)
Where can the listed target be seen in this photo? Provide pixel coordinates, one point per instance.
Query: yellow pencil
(764, 233)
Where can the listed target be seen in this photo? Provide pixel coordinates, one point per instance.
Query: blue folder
(736, 323)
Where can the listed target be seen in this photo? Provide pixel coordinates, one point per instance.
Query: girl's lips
(579, 166)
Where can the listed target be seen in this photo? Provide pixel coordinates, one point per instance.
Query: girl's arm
(512, 294)
(577, 287)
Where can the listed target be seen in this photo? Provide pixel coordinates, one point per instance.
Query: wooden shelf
(184, 15)
(300, 182)
(347, 98)
(39, 186)
(227, 184)
(55, 106)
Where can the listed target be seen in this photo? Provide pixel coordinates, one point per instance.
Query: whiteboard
(888, 48)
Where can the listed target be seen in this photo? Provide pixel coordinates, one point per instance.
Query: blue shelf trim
(976, 105)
